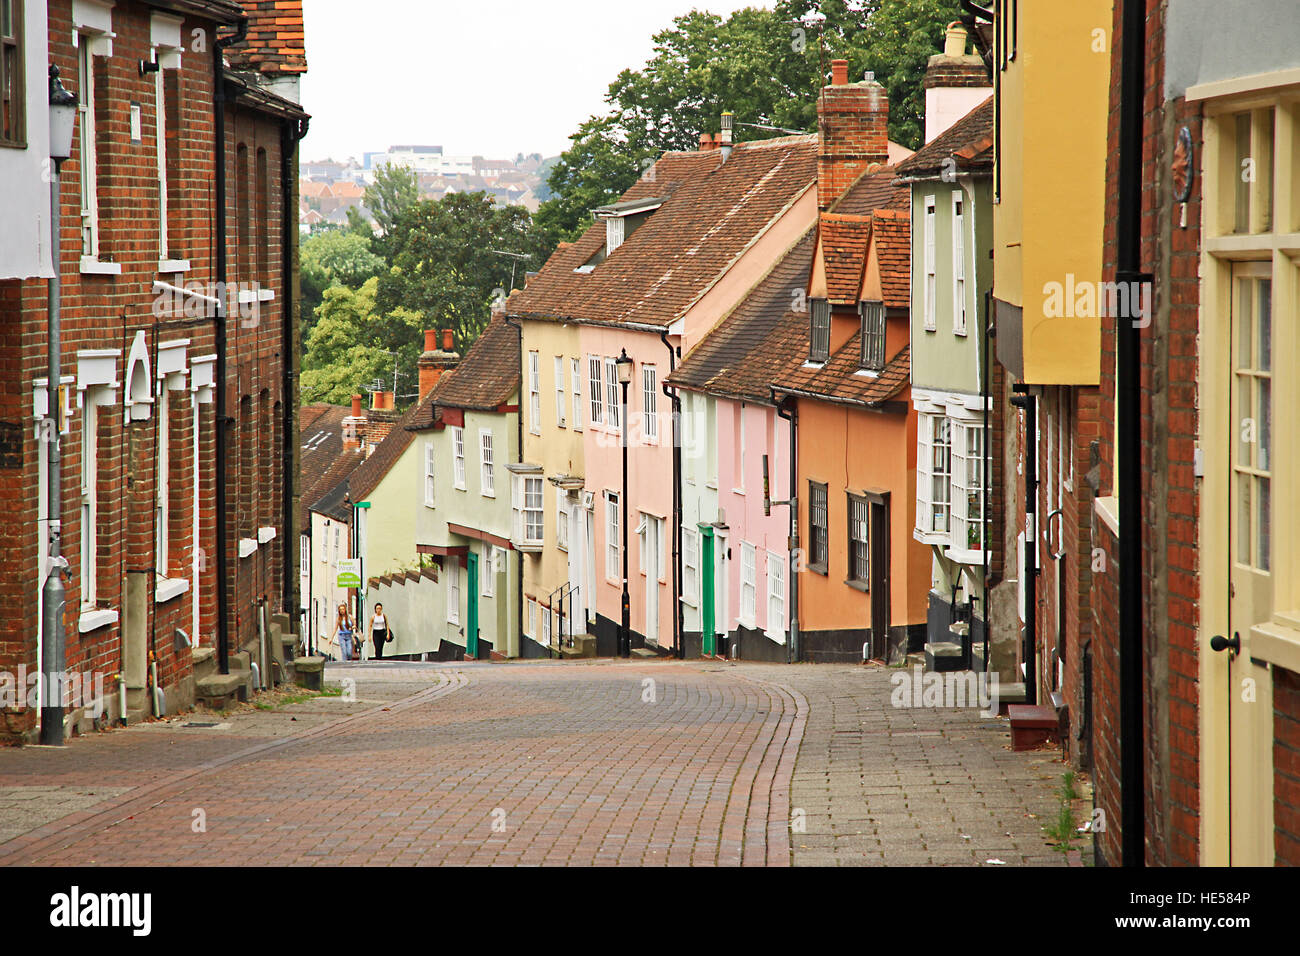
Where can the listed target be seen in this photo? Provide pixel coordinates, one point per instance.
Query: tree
(395, 189)
(443, 263)
(353, 343)
(328, 258)
(764, 66)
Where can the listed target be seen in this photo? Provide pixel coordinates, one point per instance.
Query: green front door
(471, 606)
(707, 598)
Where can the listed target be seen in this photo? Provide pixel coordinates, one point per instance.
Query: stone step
(308, 672)
(942, 656)
(203, 660)
(218, 691)
(646, 652)
(1032, 725)
(1009, 694)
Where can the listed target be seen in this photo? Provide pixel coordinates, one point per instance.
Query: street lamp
(624, 365)
(63, 118)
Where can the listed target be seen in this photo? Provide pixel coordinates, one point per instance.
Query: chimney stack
(436, 361)
(352, 426)
(852, 132)
(955, 83)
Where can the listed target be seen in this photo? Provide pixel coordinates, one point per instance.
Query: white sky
(485, 77)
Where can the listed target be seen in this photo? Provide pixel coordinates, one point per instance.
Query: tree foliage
(395, 190)
(444, 262)
(765, 66)
(332, 257)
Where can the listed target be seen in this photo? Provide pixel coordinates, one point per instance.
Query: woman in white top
(378, 633)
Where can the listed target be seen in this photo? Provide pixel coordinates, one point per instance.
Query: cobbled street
(600, 763)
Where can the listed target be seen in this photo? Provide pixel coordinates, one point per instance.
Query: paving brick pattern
(600, 763)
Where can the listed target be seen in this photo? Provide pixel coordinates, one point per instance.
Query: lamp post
(63, 118)
(624, 364)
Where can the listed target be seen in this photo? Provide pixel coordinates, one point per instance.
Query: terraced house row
(166, 404)
(1007, 400)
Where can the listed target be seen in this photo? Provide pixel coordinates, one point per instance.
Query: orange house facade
(862, 578)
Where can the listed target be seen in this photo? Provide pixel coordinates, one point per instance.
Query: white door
(654, 535)
(578, 558)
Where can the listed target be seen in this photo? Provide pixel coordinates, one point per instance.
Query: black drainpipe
(292, 130)
(219, 329)
(986, 397)
(793, 651)
(1026, 401)
(679, 649)
(1128, 412)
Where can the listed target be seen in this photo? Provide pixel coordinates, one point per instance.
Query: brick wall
(1170, 493)
(1286, 767)
(107, 312)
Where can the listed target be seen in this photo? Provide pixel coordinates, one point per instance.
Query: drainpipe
(1128, 411)
(1027, 403)
(291, 131)
(679, 622)
(219, 328)
(794, 650)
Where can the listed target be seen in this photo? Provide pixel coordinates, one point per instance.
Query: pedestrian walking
(378, 633)
(344, 629)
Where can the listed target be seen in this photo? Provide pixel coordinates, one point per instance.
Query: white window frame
(929, 289)
(613, 402)
(89, 571)
(324, 547)
(430, 483)
(775, 595)
(958, 263)
(595, 370)
(163, 538)
(613, 541)
(488, 571)
(967, 478)
(89, 197)
(531, 619)
(486, 460)
(576, 382)
(748, 584)
(458, 457)
(534, 393)
(650, 404)
(561, 400)
(547, 625)
(529, 502)
(615, 232)
(690, 565)
(453, 590)
(304, 555)
(338, 548)
(561, 521)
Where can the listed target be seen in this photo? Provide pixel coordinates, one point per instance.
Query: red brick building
(1220, 487)
(138, 359)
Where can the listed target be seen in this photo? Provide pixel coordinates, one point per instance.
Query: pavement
(546, 763)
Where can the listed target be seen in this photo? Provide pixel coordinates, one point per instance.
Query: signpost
(349, 573)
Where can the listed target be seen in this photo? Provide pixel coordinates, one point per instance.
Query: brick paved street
(605, 762)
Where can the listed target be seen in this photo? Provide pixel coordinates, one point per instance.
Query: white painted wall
(24, 190)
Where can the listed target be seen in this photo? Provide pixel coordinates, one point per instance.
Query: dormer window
(819, 332)
(873, 335)
(613, 234)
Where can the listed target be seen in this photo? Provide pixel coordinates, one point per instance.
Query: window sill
(936, 538)
(859, 585)
(172, 266)
(168, 589)
(965, 556)
(488, 494)
(96, 267)
(95, 618)
(265, 534)
(1107, 508)
(247, 546)
(819, 569)
(738, 491)
(527, 547)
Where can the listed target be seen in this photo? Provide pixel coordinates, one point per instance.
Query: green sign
(349, 573)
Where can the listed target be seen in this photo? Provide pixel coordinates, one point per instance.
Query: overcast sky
(477, 77)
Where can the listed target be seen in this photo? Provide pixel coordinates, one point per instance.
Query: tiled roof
(711, 213)
(892, 240)
(729, 359)
(320, 431)
(276, 41)
(330, 494)
(777, 353)
(968, 142)
(872, 191)
(370, 473)
(841, 379)
(488, 374)
(844, 254)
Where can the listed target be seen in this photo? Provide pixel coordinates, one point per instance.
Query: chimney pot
(430, 340)
(954, 41)
(839, 72)
(447, 342)
(356, 406)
